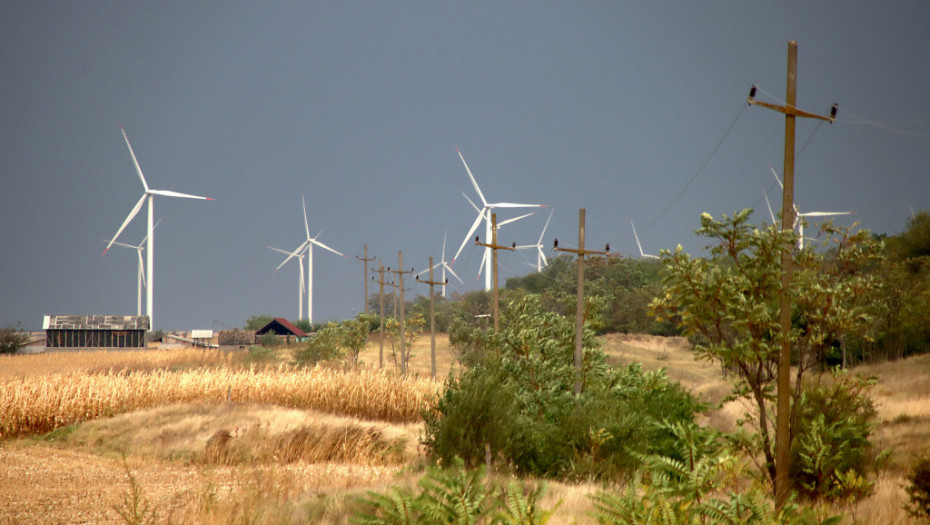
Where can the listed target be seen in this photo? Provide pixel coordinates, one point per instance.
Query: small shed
(95, 331)
(282, 328)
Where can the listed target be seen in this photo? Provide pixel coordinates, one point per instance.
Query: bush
(456, 496)
(918, 489)
(519, 399)
(326, 345)
(11, 340)
(831, 452)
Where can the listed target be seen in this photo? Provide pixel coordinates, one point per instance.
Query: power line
(698, 172)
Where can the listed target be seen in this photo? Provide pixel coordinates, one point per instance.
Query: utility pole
(783, 403)
(400, 272)
(493, 246)
(365, 258)
(381, 282)
(579, 309)
(432, 324)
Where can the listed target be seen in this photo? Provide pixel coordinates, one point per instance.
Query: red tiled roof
(284, 323)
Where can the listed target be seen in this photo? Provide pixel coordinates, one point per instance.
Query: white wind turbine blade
(433, 267)
(445, 232)
(539, 242)
(132, 214)
(543, 256)
(824, 213)
(169, 193)
(134, 161)
(472, 177)
(295, 253)
(508, 221)
(473, 205)
(306, 223)
(124, 245)
(774, 174)
(321, 245)
(147, 235)
(471, 231)
(447, 267)
(636, 236)
(514, 205)
(769, 205)
(640, 246)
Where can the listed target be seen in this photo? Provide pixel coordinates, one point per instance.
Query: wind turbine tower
(306, 248)
(149, 196)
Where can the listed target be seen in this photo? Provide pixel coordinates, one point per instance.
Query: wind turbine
(149, 195)
(484, 214)
(540, 256)
(141, 273)
(484, 258)
(300, 292)
(444, 265)
(640, 246)
(306, 248)
(798, 223)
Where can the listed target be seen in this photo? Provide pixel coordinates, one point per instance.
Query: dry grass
(98, 361)
(39, 404)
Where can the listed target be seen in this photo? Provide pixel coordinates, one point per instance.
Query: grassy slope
(78, 475)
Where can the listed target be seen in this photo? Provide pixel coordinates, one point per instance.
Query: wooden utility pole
(400, 273)
(579, 309)
(432, 323)
(783, 403)
(381, 282)
(365, 259)
(493, 246)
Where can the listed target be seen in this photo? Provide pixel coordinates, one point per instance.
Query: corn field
(40, 404)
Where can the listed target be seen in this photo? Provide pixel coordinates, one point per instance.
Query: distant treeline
(618, 291)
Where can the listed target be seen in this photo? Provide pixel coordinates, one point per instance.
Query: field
(212, 437)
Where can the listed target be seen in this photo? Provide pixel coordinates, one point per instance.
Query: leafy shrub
(326, 345)
(918, 489)
(519, 400)
(455, 496)
(689, 487)
(831, 452)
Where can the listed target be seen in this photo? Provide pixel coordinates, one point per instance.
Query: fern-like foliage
(690, 489)
(455, 496)
(399, 507)
(521, 507)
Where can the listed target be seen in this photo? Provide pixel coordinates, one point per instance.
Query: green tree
(257, 321)
(729, 306)
(517, 399)
(355, 334)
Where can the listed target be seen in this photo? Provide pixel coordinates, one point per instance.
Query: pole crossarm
(791, 110)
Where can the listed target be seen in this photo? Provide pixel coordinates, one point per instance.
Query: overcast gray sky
(359, 106)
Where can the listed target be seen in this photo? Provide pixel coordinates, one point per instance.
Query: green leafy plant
(518, 399)
(918, 489)
(456, 495)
